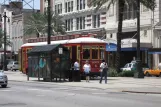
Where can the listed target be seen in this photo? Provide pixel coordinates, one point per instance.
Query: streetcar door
(74, 53)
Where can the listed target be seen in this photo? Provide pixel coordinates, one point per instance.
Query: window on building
(58, 11)
(111, 35)
(69, 24)
(84, 4)
(77, 20)
(80, 23)
(58, 8)
(96, 21)
(66, 25)
(83, 22)
(81, 4)
(77, 4)
(66, 7)
(71, 5)
(129, 11)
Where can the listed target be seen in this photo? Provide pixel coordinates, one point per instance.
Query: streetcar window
(101, 52)
(86, 52)
(95, 52)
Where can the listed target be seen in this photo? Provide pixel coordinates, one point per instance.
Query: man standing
(76, 72)
(103, 71)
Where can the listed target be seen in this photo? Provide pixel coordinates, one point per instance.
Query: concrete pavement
(151, 85)
(34, 94)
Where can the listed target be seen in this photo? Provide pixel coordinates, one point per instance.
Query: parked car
(132, 66)
(150, 72)
(12, 65)
(128, 67)
(3, 79)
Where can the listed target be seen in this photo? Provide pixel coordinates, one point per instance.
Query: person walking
(76, 72)
(87, 69)
(103, 71)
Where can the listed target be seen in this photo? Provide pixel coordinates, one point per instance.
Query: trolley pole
(49, 22)
(4, 60)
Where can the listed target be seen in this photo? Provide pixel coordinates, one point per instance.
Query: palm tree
(38, 23)
(2, 39)
(150, 4)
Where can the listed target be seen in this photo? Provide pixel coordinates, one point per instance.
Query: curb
(146, 92)
(63, 85)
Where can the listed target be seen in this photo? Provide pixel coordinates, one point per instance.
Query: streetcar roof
(77, 40)
(86, 40)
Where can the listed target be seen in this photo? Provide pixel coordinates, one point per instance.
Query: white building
(15, 26)
(80, 17)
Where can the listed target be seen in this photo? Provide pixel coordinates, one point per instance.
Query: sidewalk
(117, 84)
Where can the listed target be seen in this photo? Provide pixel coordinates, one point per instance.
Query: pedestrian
(87, 69)
(76, 72)
(103, 71)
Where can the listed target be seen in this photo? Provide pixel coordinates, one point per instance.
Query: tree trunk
(119, 33)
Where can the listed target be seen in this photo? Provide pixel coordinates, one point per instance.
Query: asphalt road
(21, 94)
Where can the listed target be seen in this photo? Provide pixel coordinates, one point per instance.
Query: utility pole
(139, 72)
(49, 21)
(4, 60)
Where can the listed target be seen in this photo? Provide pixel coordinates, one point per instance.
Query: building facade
(16, 17)
(79, 17)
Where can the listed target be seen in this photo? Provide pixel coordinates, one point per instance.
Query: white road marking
(61, 88)
(71, 94)
(6, 90)
(32, 89)
(40, 95)
(99, 93)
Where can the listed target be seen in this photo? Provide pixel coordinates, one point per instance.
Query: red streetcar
(81, 49)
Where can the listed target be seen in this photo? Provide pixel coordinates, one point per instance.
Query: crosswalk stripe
(5, 90)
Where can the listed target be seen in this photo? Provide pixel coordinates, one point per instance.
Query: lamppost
(49, 22)
(4, 60)
(139, 72)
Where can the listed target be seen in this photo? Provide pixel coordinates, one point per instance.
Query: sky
(36, 3)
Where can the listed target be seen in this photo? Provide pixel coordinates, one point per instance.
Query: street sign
(60, 50)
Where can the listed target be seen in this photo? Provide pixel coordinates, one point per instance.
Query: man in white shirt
(103, 71)
(76, 72)
(76, 65)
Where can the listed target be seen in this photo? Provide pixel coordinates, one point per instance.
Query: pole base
(139, 73)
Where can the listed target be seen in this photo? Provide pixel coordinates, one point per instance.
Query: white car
(3, 79)
(132, 65)
(12, 65)
(128, 67)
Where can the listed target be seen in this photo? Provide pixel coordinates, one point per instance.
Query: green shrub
(126, 73)
(112, 72)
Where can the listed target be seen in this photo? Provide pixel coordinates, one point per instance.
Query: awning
(154, 51)
(113, 47)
